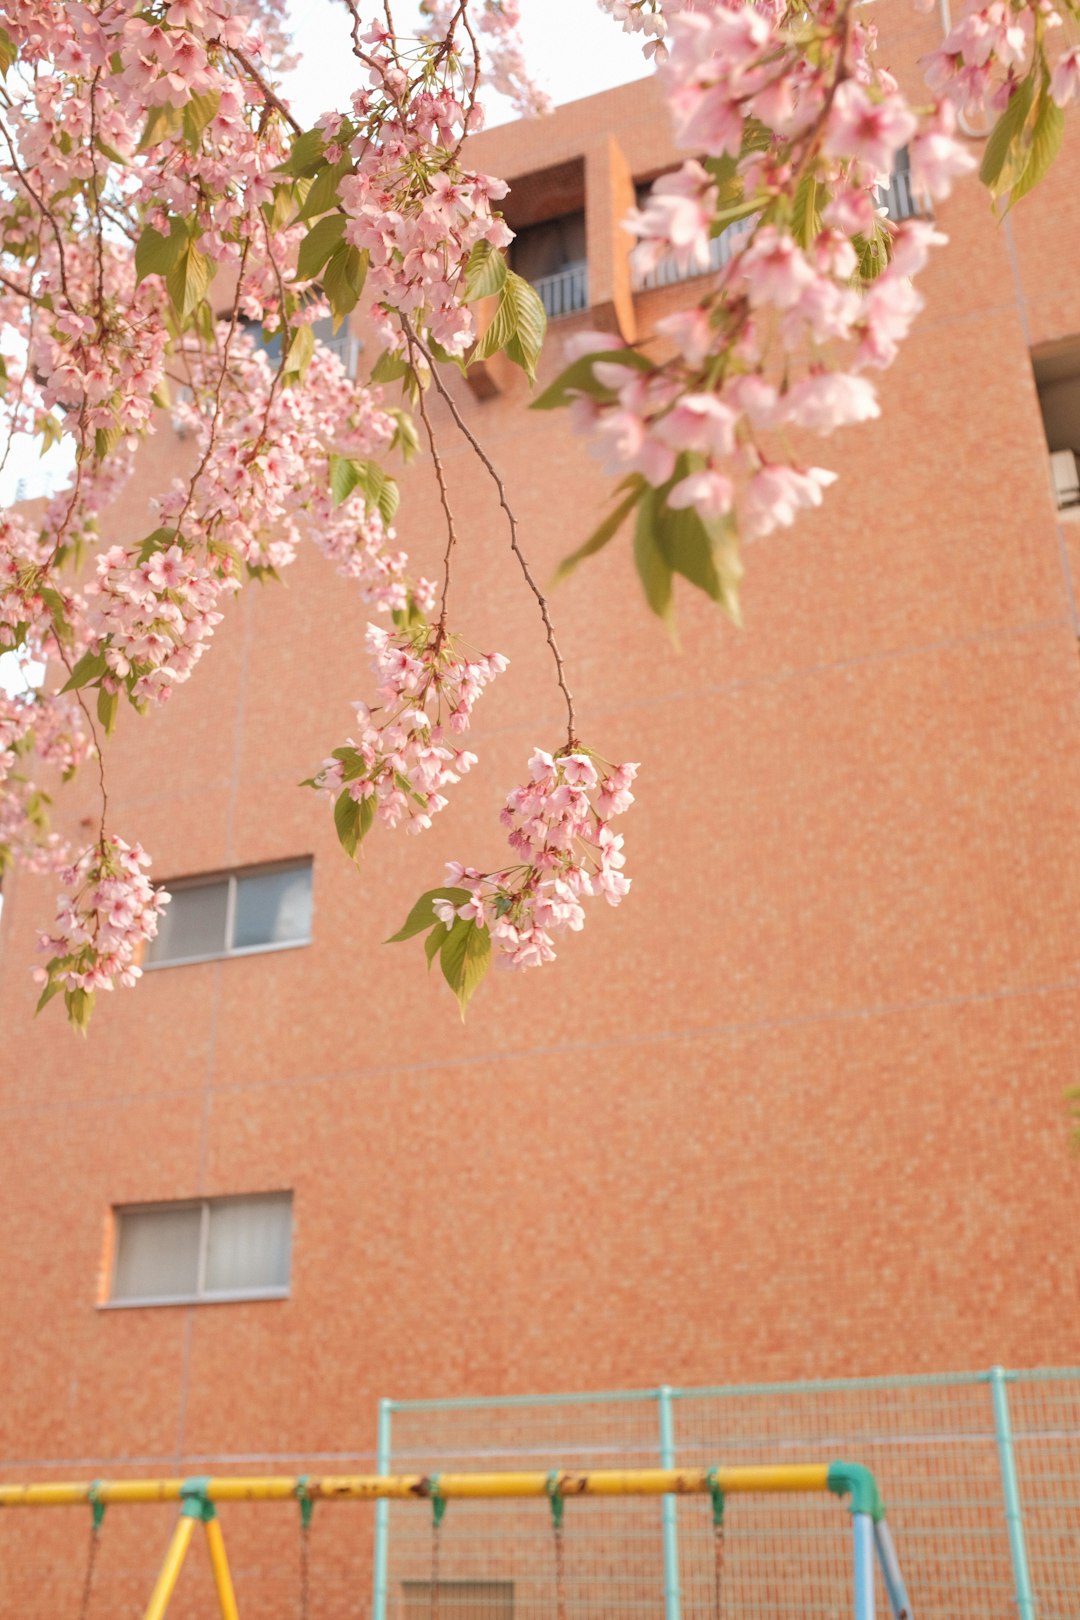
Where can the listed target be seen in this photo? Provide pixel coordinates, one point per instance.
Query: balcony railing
(721, 247)
(899, 198)
(566, 291)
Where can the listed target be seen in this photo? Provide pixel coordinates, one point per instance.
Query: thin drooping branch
(444, 498)
(515, 546)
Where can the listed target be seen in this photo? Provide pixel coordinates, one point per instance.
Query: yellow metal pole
(402, 1487)
(220, 1564)
(170, 1569)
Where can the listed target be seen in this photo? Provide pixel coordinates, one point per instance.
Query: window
(459, 1600)
(552, 256)
(899, 198)
(234, 913)
(669, 270)
(203, 1250)
(342, 343)
(1057, 379)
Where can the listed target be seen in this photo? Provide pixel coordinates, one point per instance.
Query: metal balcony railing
(669, 271)
(566, 291)
(900, 199)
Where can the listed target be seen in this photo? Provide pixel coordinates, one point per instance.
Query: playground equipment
(199, 1498)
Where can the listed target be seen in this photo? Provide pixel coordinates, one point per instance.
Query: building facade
(796, 1110)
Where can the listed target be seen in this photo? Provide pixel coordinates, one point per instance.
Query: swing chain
(718, 1540)
(306, 1505)
(558, 1505)
(97, 1513)
(438, 1508)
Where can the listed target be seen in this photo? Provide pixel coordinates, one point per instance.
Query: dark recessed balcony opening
(546, 211)
(1057, 378)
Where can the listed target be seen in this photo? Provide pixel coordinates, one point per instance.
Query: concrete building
(795, 1110)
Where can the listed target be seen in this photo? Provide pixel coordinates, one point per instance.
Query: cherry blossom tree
(147, 156)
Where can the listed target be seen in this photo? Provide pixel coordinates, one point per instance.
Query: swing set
(198, 1499)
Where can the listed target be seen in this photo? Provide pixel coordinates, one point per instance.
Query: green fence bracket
(856, 1481)
(194, 1501)
(97, 1507)
(717, 1500)
(558, 1503)
(438, 1503)
(306, 1504)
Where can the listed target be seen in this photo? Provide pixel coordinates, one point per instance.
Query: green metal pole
(382, 1515)
(669, 1509)
(1014, 1518)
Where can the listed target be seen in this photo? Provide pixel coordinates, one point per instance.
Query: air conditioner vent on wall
(1065, 472)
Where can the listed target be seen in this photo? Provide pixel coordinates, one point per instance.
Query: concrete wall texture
(795, 1109)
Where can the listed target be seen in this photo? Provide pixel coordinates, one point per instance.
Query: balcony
(899, 198)
(566, 291)
(668, 271)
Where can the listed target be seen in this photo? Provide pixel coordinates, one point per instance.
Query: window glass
(192, 924)
(249, 1244)
(158, 1253)
(272, 908)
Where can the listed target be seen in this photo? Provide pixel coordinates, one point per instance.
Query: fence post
(1014, 1519)
(669, 1508)
(382, 1515)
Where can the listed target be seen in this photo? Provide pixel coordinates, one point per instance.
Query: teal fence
(980, 1473)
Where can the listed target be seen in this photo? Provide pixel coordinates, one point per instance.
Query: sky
(573, 48)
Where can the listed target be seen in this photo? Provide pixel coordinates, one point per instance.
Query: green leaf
(579, 378)
(164, 122)
(80, 1006)
(464, 958)
(108, 705)
(197, 114)
(380, 490)
(306, 156)
(323, 191)
(91, 667)
(406, 439)
(654, 569)
(8, 52)
(300, 352)
(160, 540)
(343, 279)
(388, 367)
(704, 553)
(421, 916)
(53, 988)
(155, 255)
(1046, 135)
(344, 478)
(318, 245)
(805, 219)
(519, 315)
(353, 819)
(485, 273)
(600, 536)
(1005, 134)
(433, 944)
(187, 281)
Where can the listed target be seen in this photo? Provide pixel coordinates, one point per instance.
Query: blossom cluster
(565, 852)
(784, 335)
(101, 926)
(403, 758)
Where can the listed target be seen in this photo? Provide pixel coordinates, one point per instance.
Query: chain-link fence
(980, 1473)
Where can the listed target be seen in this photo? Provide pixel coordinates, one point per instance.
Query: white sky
(573, 48)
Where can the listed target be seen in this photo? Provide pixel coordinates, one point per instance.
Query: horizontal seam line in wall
(841, 1015)
(715, 689)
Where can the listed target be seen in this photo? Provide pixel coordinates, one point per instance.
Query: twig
(444, 497)
(466, 431)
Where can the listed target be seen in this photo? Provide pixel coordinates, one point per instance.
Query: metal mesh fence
(980, 1473)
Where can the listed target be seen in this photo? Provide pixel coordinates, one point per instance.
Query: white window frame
(202, 1295)
(210, 880)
